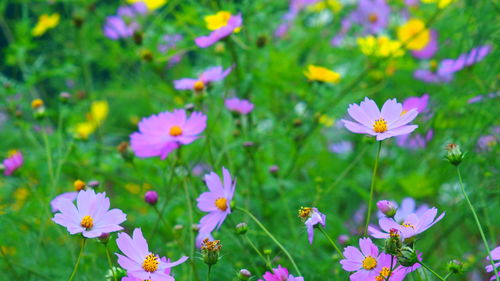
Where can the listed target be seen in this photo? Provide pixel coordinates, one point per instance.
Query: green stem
(208, 272)
(432, 271)
(478, 223)
(110, 262)
(331, 242)
(448, 275)
(372, 186)
(191, 222)
(75, 269)
(258, 252)
(272, 238)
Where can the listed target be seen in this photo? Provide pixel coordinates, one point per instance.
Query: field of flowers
(279, 140)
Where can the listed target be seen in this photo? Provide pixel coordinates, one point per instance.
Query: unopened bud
(79, 185)
(93, 184)
(387, 208)
(151, 197)
(241, 228)
(393, 244)
(455, 266)
(64, 97)
(244, 275)
(210, 251)
(407, 257)
(343, 239)
(274, 169)
(104, 238)
(454, 155)
(267, 252)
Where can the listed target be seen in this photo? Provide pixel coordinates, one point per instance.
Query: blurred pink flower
(210, 75)
(12, 163)
(233, 23)
(240, 106)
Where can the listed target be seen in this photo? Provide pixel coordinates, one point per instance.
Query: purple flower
(169, 41)
(91, 217)
(389, 122)
(280, 274)
(241, 106)
(482, 97)
(485, 143)
(495, 255)
(167, 272)
(341, 147)
(431, 77)
(467, 59)
(13, 162)
(216, 201)
(116, 28)
(161, 134)
(139, 262)
(407, 207)
(311, 217)
(415, 141)
(131, 11)
(367, 263)
(71, 196)
(412, 225)
(233, 23)
(418, 103)
(387, 208)
(373, 15)
(210, 75)
(430, 49)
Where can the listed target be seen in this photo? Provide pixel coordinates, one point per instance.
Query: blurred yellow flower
(36, 103)
(321, 74)
(441, 3)
(326, 120)
(334, 5)
(133, 188)
(45, 22)
(380, 46)
(218, 20)
(84, 130)
(98, 113)
(151, 4)
(414, 35)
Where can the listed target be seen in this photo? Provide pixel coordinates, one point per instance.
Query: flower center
(87, 222)
(369, 263)
(305, 212)
(221, 203)
(150, 263)
(199, 86)
(79, 185)
(385, 271)
(372, 17)
(175, 131)
(408, 225)
(380, 125)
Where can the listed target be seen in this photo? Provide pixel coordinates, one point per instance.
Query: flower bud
(407, 257)
(274, 169)
(343, 239)
(210, 251)
(147, 55)
(454, 155)
(241, 228)
(79, 185)
(93, 184)
(267, 252)
(244, 275)
(151, 197)
(455, 266)
(387, 208)
(104, 237)
(64, 97)
(38, 108)
(393, 244)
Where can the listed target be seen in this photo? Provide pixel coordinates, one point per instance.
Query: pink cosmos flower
(12, 163)
(91, 217)
(312, 217)
(240, 106)
(430, 49)
(216, 201)
(233, 23)
(71, 196)
(280, 274)
(210, 75)
(389, 122)
(368, 263)
(167, 271)
(161, 134)
(411, 226)
(418, 103)
(408, 206)
(139, 262)
(495, 255)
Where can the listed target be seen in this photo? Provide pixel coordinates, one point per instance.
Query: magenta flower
(430, 49)
(167, 272)
(280, 274)
(139, 262)
(389, 122)
(407, 207)
(411, 226)
(216, 201)
(418, 103)
(373, 15)
(116, 28)
(233, 23)
(495, 255)
(71, 196)
(161, 134)
(240, 106)
(210, 75)
(311, 217)
(12, 163)
(415, 141)
(367, 263)
(91, 217)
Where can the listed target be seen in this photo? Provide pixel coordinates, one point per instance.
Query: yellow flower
(326, 120)
(414, 35)
(218, 20)
(334, 5)
(84, 129)
(321, 74)
(441, 3)
(36, 103)
(45, 22)
(98, 112)
(151, 4)
(381, 46)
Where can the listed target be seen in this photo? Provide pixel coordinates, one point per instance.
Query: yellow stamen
(305, 212)
(385, 271)
(369, 263)
(199, 86)
(79, 185)
(211, 246)
(150, 263)
(372, 17)
(408, 225)
(175, 131)
(380, 126)
(87, 222)
(221, 203)
(36, 103)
